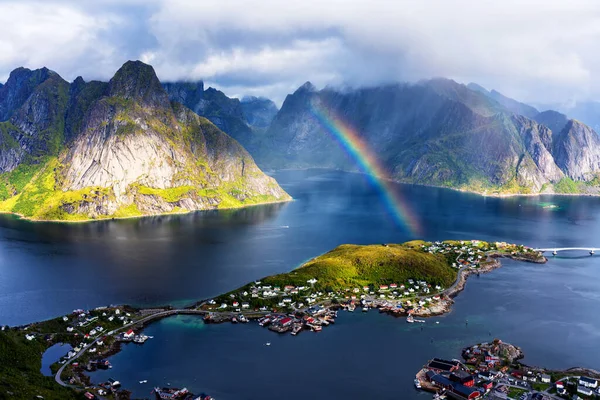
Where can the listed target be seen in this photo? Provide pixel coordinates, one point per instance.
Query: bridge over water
(555, 250)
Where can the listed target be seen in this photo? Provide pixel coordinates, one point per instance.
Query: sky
(535, 51)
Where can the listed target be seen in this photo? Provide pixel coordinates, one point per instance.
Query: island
(412, 280)
(494, 370)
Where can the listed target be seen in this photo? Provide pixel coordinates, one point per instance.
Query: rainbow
(367, 161)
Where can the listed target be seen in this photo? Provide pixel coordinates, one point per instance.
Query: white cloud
(538, 51)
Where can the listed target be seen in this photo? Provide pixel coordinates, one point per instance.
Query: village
(492, 371)
(281, 306)
(311, 306)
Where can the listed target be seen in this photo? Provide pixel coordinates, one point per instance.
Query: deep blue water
(549, 310)
(52, 355)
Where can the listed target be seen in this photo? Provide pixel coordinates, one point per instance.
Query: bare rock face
(124, 150)
(435, 132)
(577, 151)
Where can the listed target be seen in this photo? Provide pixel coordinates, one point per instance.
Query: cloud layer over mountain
(541, 51)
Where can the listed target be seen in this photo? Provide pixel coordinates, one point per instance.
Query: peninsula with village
(494, 371)
(412, 281)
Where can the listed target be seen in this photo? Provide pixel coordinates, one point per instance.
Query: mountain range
(135, 146)
(80, 150)
(438, 132)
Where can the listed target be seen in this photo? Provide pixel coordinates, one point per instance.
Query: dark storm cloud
(538, 51)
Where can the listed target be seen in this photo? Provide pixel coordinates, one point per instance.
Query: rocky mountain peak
(306, 87)
(136, 80)
(21, 83)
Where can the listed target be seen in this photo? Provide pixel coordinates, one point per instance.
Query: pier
(555, 250)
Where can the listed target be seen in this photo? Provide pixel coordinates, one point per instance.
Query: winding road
(158, 315)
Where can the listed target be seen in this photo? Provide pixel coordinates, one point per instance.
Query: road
(161, 314)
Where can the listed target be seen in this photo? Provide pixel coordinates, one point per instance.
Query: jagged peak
(307, 87)
(20, 74)
(79, 80)
(138, 81)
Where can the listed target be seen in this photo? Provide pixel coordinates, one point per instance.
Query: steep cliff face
(577, 151)
(125, 149)
(32, 106)
(434, 132)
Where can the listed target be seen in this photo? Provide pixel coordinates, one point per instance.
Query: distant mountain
(122, 148)
(587, 112)
(508, 103)
(436, 132)
(258, 111)
(552, 119)
(242, 120)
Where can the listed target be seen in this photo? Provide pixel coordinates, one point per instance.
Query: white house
(69, 329)
(29, 337)
(587, 382)
(65, 318)
(586, 391)
(545, 378)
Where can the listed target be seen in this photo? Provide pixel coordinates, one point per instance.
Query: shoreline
(314, 316)
(108, 218)
(482, 194)
(492, 262)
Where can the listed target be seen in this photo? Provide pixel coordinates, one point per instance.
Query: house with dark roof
(440, 365)
(588, 382)
(454, 389)
(462, 377)
(586, 391)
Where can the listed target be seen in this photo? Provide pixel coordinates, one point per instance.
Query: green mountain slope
(119, 149)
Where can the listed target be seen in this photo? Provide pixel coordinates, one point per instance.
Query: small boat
(268, 343)
(317, 328)
(437, 322)
(114, 383)
(144, 381)
(242, 319)
(365, 309)
(417, 384)
(296, 329)
(410, 319)
(351, 307)
(234, 320)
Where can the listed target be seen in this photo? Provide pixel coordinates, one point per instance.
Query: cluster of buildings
(448, 376)
(468, 253)
(491, 371)
(178, 394)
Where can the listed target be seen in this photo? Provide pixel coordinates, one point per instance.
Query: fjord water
(48, 269)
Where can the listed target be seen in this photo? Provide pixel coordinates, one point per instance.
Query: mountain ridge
(437, 132)
(123, 148)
